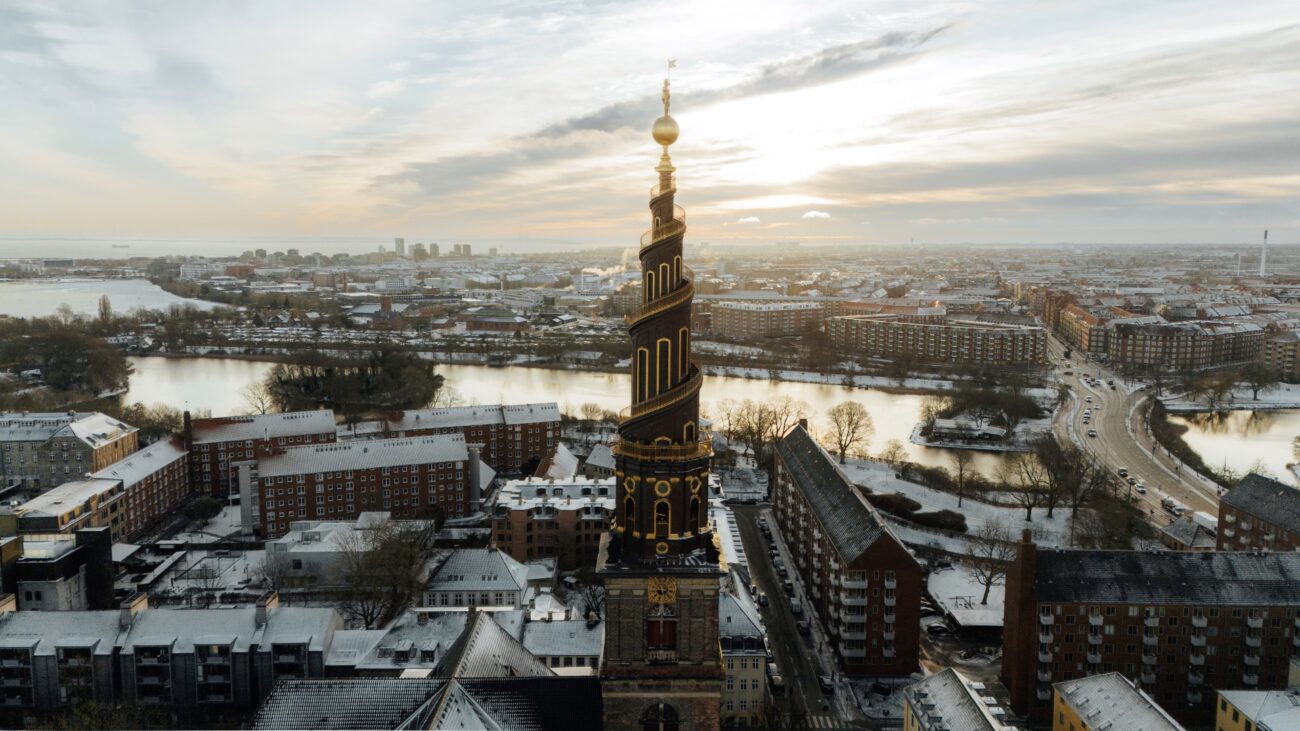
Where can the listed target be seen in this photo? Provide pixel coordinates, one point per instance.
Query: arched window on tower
(629, 512)
(663, 518)
(695, 514)
(660, 717)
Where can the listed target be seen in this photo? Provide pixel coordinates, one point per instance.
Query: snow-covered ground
(959, 594)
(1048, 532)
(1281, 396)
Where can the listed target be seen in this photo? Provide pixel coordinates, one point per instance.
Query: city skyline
(845, 123)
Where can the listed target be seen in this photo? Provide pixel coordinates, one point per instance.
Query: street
(1122, 440)
(807, 707)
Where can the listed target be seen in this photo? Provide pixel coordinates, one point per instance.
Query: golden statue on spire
(665, 128)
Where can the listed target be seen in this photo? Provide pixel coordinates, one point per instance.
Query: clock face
(661, 590)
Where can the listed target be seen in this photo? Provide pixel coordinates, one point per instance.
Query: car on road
(1123, 472)
(778, 685)
(1088, 399)
(763, 600)
(827, 685)
(1141, 489)
(938, 629)
(1092, 433)
(789, 587)
(805, 627)
(783, 571)
(1132, 481)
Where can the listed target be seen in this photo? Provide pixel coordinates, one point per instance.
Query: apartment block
(194, 663)
(126, 497)
(744, 659)
(217, 445)
(339, 481)
(1083, 330)
(42, 450)
(1176, 624)
(1257, 710)
(864, 585)
(1259, 514)
(1183, 346)
(1281, 353)
(515, 438)
(1107, 702)
(949, 342)
(759, 320)
(948, 701)
(538, 517)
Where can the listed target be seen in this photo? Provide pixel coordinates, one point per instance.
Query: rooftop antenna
(1263, 254)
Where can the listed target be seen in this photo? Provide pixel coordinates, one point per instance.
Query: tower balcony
(666, 230)
(659, 190)
(663, 452)
(674, 298)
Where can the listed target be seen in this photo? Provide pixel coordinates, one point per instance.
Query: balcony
(1195, 678)
(14, 682)
(1250, 679)
(1151, 622)
(1046, 637)
(890, 652)
(1245, 525)
(855, 583)
(890, 617)
(1200, 622)
(1150, 640)
(1148, 659)
(1094, 658)
(1045, 676)
(891, 583)
(1251, 660)
(1094, 639)
(287, 658)
(1230, 518)
(1295, 641)
(1196, 659)
(891, 601)
(846, 651)
(859, 635)
(1255, 622)
(1198, 640)
(1096, 620)
(1044, 693)
(10, 662)
(852, 601)
(1194, 697)
(1044, 656)
(1148, 677)
(1229, 532)
(1047, 619)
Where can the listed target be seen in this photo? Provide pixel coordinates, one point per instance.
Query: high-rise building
(399, 245)
(466, 250)
(663, 666)
(433, 251)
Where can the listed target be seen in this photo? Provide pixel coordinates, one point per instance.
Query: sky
(820, 122)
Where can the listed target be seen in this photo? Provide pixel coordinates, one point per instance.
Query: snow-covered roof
(136, 467)
(479, 569)
(263, 426)
(91, 427)
(1110, 701)
(364, 454)
(566, 637)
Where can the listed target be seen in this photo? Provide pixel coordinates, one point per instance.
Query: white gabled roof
(136, 467)
(364, 454)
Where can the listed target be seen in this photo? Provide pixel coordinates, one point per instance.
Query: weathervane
(672, 64)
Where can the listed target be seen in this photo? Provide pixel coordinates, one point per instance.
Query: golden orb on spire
(665, 128)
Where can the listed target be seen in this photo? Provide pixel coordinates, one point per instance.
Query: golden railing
(664, 452)
(667, 302)
(675, 395)
(659, 189)
(665, 230)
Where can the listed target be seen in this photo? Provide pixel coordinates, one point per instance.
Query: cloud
(950, 221)
(811, 215)
(389, 87)
(824, 66)
(749, 219)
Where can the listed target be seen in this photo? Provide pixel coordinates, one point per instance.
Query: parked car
(778, 685)
(938, 629)
(789, 587)
(805, 627)
(826, 683)
(1092, 433)
(1141, 489)
(1123, 472)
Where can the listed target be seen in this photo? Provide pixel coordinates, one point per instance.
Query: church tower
(663, 666)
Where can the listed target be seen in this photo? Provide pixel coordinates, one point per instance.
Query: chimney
(386, 303)
(187, 429)
(131, 607)
(803, 424)
(475, 488)
(421, 618)
(265, 603)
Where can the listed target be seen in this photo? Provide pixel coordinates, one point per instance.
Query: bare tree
(206, 580)
(273, 571)
(1259, 377)
(257, 397)
(591, 413)
(990, 553)
(851, 427)
(381, 572)
(962, 464)
(446, 397)
(105, 310)
(1023, 475)
(895, 453)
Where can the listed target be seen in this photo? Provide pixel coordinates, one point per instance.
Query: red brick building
(863, 583)
(512, 435)
(1177, 624)
(950, 342)
(126, 497)
(216, 444)
(537, 517)
(340, 481)
(758, 320)
(1259, 514)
